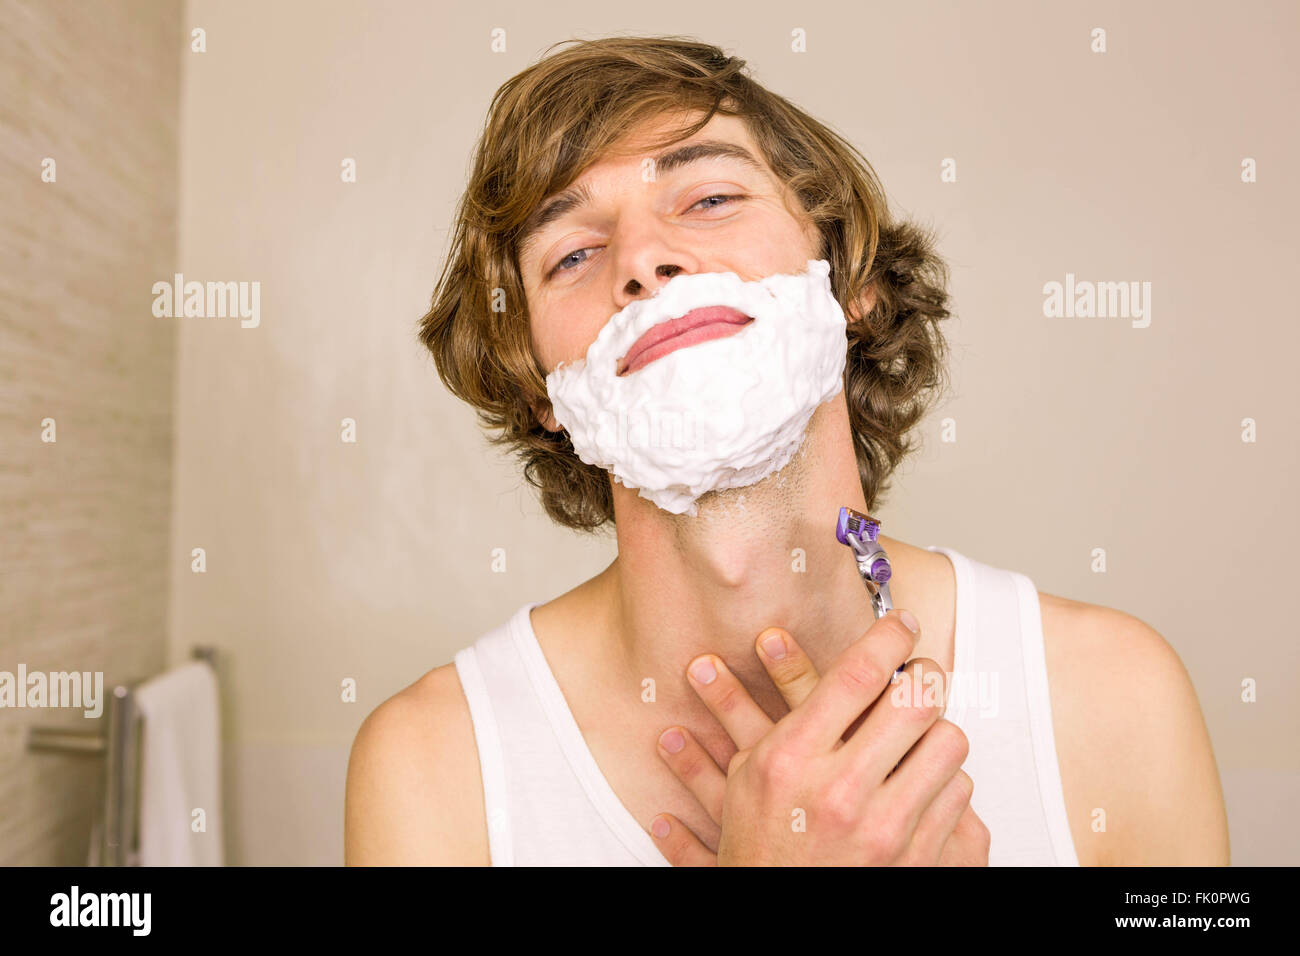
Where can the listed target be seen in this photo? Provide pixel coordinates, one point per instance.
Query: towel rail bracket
(117, 830)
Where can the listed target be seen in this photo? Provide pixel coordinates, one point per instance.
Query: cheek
(800, 239)
(576, 344)
(540, 347)
(553, 343)
(779, 244)
(571, 338)
(543, 333)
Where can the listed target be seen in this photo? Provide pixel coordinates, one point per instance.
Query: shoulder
(1110, 639)
(1135, 754)
(414, 794)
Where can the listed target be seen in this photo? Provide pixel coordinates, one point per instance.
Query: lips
(696, 326)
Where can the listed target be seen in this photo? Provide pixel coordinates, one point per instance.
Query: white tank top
(548, 804)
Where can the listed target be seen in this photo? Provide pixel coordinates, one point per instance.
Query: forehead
(647, 139)
(644, 141)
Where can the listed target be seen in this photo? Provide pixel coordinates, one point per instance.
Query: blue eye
(560, 266)
(725, 200)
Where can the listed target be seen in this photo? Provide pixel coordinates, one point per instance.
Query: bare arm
(414, 794)
(1162, 795)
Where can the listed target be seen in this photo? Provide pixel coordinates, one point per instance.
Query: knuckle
(951, 738)
(839, 803)
(690, 765)
(738, 759)
(892, 630)
(976, 833)
(883, 841)
(965, 785)
(777, 767)
(793, 669)
(860, 677)
(906, 697)
(893, 627)
(918, 701)
(837, 812)
(727, 698)
(934, 684)
(679, 846)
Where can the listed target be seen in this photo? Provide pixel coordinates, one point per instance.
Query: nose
(648, 258)
(647, 254)
(662, 273)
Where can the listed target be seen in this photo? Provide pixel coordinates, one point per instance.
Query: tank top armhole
(487, 738)
(1037, 692)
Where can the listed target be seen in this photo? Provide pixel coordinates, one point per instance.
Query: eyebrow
(579, 195)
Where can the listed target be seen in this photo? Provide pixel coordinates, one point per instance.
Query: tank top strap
(999, 698)
(546, 801)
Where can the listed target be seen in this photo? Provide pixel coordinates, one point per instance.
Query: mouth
(696, 326)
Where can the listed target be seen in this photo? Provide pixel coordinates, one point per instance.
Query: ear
(865, 303)
(544, 415)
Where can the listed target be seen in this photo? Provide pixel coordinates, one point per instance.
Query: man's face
(632, 231)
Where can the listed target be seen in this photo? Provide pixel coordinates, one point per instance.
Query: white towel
(180, 768)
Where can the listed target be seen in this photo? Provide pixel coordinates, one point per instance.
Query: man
(573, 733)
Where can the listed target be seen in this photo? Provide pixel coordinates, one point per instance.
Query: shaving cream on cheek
(724, 413)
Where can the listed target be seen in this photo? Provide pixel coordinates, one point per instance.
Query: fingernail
(672, 740)
(774, 646)
(659, 827)
(703, 671)
(907, 618)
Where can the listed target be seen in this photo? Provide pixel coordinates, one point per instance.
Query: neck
(752, 558)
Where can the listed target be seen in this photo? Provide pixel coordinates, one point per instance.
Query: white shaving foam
(719, 414)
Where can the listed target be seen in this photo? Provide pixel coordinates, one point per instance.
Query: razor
(861, 533)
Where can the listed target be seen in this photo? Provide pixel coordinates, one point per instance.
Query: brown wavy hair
(546, 125)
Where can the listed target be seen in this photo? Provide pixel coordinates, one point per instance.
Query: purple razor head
(855, 522)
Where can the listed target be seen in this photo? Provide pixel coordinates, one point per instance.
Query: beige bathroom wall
(84, 544)
(329, 562)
